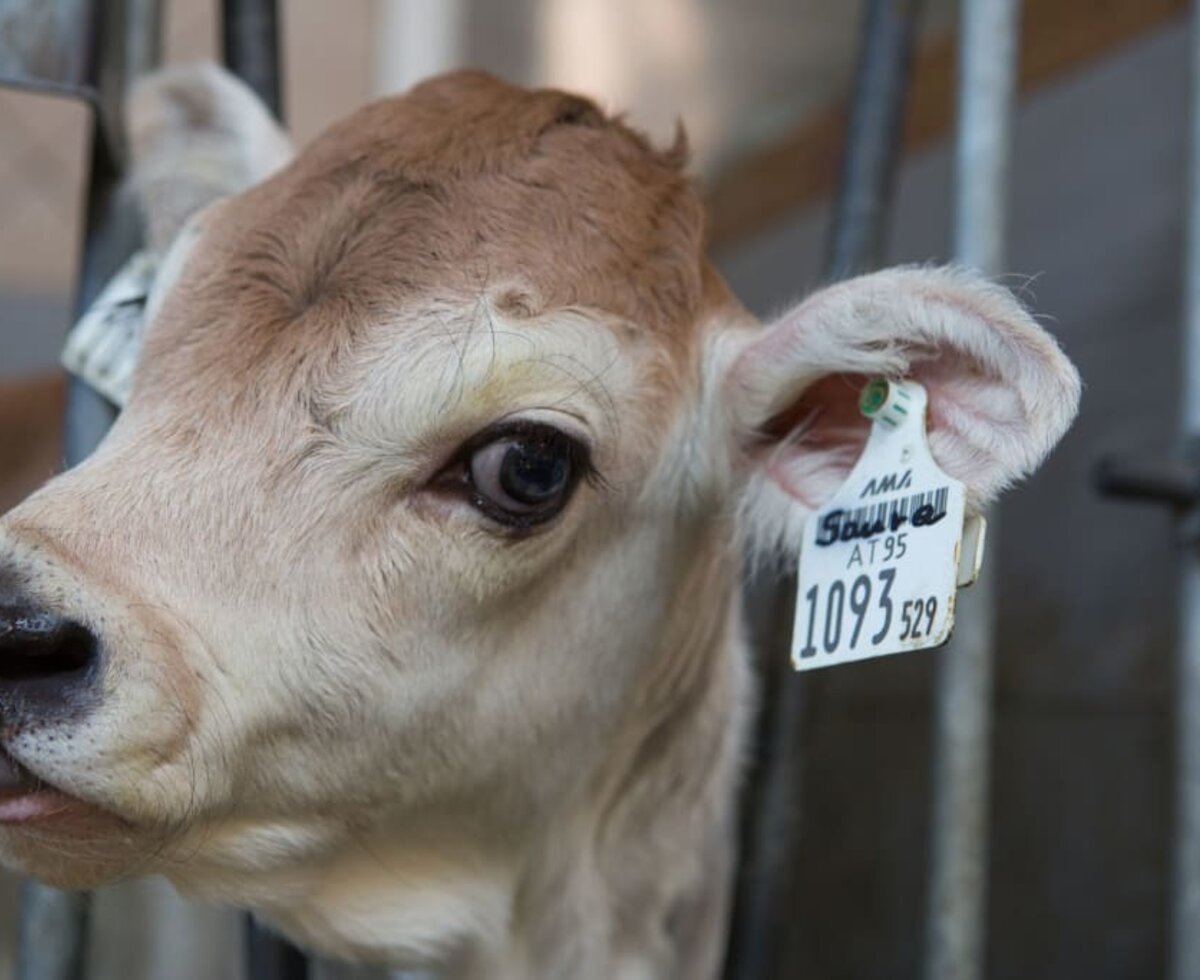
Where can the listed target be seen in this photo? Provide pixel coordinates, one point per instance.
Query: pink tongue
(10, 774)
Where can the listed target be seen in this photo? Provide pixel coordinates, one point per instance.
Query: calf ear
(1001, 393)
(196, 134)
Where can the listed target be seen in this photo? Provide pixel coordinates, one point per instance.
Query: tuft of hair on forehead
(679, 153)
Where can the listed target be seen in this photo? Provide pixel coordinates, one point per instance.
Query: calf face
(400, 604)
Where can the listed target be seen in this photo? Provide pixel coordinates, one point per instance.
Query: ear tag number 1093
(882, 561)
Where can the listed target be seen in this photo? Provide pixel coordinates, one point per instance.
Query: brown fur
(565, 207)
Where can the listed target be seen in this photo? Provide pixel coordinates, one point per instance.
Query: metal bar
(250, 41)
(415, 39)
(111, 233)
(85, 49)
(53, 930)
(143, 37)
(956, 922)
(1185, 911)
(865, 186)
(48, 45)
(762, 921)
(1151, 479)
(270, 958)
(52, 937)
(251, 44)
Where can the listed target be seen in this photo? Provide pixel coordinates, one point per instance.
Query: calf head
(401, 602)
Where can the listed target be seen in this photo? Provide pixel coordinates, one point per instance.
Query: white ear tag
(881, 562)
(102, 347)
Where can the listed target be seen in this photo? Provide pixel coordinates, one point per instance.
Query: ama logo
(887, 484)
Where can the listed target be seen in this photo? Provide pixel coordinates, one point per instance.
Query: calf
(401, 603)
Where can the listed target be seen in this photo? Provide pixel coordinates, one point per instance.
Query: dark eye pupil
(534, 473)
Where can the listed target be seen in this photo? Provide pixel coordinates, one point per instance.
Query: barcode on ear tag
(102, 347)
(880, 562)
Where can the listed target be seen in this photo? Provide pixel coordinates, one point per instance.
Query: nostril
(38, 646)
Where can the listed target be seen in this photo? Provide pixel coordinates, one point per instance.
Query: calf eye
(526, 475)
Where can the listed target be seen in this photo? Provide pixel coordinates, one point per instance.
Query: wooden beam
(1057, 37)
(31, 416)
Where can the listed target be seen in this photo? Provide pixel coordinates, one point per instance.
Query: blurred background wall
(1082, 786)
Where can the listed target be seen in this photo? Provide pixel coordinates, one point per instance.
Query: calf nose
(45, 659)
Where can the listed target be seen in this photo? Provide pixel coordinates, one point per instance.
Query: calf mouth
(27, 798)
(59, 838)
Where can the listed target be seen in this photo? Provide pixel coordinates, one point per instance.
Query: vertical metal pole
(415, 39)
(112, 232)
(53, 931)
(1185, 923)
(52, 938)
(250, 40)
(53, 928)
(268, 957)
(762, 922)
(868, 177)
(956, 924)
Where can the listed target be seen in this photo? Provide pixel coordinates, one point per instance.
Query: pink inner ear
(812, 446)
(827, 411)
(1001, 393)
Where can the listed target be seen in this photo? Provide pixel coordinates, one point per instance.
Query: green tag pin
(885, 401)
(873, 397)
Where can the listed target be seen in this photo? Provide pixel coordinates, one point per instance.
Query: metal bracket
(1172, 481)
(84, 49)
